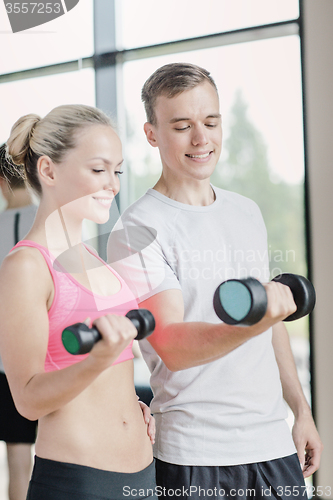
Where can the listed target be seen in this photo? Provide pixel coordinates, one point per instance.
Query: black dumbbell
(80, 339)
(244, 301)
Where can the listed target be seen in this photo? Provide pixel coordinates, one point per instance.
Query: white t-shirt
(15, 223)
(230, 411)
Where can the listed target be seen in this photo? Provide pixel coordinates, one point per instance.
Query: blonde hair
(171, 80)
(54, 135)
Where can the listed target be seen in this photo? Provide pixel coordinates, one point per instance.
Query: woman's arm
(25, 289)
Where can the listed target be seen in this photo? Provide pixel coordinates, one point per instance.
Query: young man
(218, 400)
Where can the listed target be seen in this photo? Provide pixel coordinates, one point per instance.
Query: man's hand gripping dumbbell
(244, 302)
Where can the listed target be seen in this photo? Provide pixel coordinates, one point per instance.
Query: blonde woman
(92, 440)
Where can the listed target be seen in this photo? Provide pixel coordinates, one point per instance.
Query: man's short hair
(171, 80)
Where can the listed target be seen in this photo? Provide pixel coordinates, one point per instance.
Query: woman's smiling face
(87, 180)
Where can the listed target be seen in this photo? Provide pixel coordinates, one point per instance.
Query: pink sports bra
(74, 303)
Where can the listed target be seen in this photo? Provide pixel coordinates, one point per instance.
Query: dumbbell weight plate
(144, 322)
(79, 338)
(303, 292)
(234, 301)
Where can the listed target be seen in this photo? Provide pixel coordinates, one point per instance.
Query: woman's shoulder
(24, 263)
(25, 280)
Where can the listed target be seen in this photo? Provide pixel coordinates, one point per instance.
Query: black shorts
(13, 427)
(276, 479)
(53, 480)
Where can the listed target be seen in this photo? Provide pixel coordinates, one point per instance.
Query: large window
(264, 75)
(40, 95)
(262, 157)
(67, 38)
(149, 22)
(41, 68)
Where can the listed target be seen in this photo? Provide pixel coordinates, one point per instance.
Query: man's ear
(150, 134)
(45, 168)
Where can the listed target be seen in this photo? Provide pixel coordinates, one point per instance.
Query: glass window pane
(149, 22)
(265, 74)
(66, 38)
(40, 95)
(260, 92)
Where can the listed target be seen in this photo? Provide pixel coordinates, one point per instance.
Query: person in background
(93, 438)
(16, 431)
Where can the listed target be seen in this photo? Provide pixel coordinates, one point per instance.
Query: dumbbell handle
(80, 339)
(303, 292)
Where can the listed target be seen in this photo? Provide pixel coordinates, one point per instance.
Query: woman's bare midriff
(103, 427)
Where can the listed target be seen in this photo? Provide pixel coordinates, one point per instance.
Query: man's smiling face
(188, 132)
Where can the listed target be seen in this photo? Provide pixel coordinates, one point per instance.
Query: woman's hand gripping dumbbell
(80, 339)
(244, 302)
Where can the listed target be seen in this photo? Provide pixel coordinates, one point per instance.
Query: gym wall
(318, 66)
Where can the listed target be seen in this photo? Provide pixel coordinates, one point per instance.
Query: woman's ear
(150, 134)
(45, 168)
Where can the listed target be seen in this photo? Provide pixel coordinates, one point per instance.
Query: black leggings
(53, 480)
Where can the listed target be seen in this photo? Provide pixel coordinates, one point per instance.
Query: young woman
(92, 438)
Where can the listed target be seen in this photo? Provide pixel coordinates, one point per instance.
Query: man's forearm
(187, 344)
(181, 344)
(305, 435)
